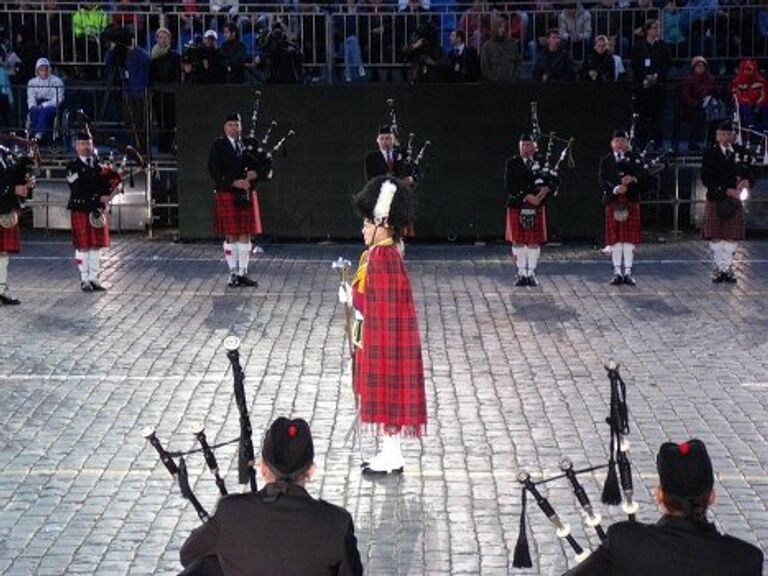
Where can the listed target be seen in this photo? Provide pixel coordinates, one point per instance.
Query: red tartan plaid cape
(389, 373)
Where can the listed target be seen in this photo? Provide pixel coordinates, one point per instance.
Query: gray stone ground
(514, 380)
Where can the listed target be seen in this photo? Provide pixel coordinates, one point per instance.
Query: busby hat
(288, 446)
(685, 470)
(386, 200)
(385, 129)
(233, 117)
(620, 134)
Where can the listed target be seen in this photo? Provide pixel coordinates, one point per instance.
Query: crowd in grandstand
(136, 46)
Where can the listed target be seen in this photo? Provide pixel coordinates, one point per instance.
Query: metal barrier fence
(375, 35)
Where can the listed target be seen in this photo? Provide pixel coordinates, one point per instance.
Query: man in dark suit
(682, 542)
(464, 60)
(726, 173)
(526, 211)
(280, 530)
(622, 178)
(651, 61)
(388, 160)
(237, 215)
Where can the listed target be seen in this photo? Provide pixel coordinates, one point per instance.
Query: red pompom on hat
(684, 448)
(292, 431)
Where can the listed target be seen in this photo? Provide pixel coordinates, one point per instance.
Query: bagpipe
(549, 171)
(258, 156)
(246, 456)
(647, 162)
(414, 163)
(23, 160)
(617, 489)
(111, 174)
(746, 135)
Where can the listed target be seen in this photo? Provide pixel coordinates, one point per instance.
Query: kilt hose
(717, 228)
(232, 220)
(388, 370)
(10, 239)
(516, 234)
(86, 237)
(628, 231)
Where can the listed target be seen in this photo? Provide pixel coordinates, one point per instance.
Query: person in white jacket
(45, 93)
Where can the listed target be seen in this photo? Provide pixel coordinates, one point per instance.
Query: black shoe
(234, 281)
(617, 280)
(629, 281)
(6, 300)
(86, 286)
(521, 281)
(96, 287)
(718, 277)
(371, 472)
(532, 281)
(245, 281)
(730, 277)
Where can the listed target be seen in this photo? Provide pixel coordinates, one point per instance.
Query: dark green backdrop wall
(474, 128)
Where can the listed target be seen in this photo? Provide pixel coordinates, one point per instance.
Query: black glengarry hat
(288, 446)
(232, 117)
(385, 129)
(685, 470)
(620, 134)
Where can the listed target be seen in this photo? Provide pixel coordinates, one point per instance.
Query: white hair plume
(384, 202)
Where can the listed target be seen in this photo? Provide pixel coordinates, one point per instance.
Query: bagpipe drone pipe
(415, 162)
(246, 455)
(258, 155)
(558, 155)
(617, 489)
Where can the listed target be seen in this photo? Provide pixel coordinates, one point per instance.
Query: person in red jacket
(751, 93)
(388, 367)
(696, 91)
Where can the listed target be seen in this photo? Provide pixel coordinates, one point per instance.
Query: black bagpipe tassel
(611, 494)
(522, 557)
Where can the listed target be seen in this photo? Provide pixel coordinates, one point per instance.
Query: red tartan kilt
(715, 228)
(231, 220)
(516, 234)
(85, 236)
(628, 231)
(10, 239)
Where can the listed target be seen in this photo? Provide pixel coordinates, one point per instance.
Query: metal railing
(79, 37)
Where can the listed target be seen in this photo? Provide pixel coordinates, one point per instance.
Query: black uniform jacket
(85, 186)
(672, 547)
(294, 535)
(375, 165)
(720, 172)
(224, 165)
(518, 181)
(10, 177)
(610, 174)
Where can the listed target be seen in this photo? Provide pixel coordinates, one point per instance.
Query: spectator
(500, 56)
(6, 90)
(575, 27)
(164, 70)
(683, 542)
(127, 70)
(598, 66)
(213, 69)
(28, 51)
(281, 529)
(377, 38)
(699, 91)
(618, 64)
(607, 21)
(676, 26)
(235, 55)
(427, 61)
(45, 93)
(476, 23)
(464, 61)
(346, 27)
(651, 62)
(191, 61)
(89, 23)
(282, 59)
(750, 90)
(409, 26)
(553, 62)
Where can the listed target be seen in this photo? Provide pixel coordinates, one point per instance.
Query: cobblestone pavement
(514, 377)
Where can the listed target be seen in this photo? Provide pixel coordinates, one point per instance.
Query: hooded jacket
(44, 91)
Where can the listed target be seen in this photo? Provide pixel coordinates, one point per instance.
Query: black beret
(620, 134)
(232, 117)
(385, 129)
(685, 470)
(288, 446)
